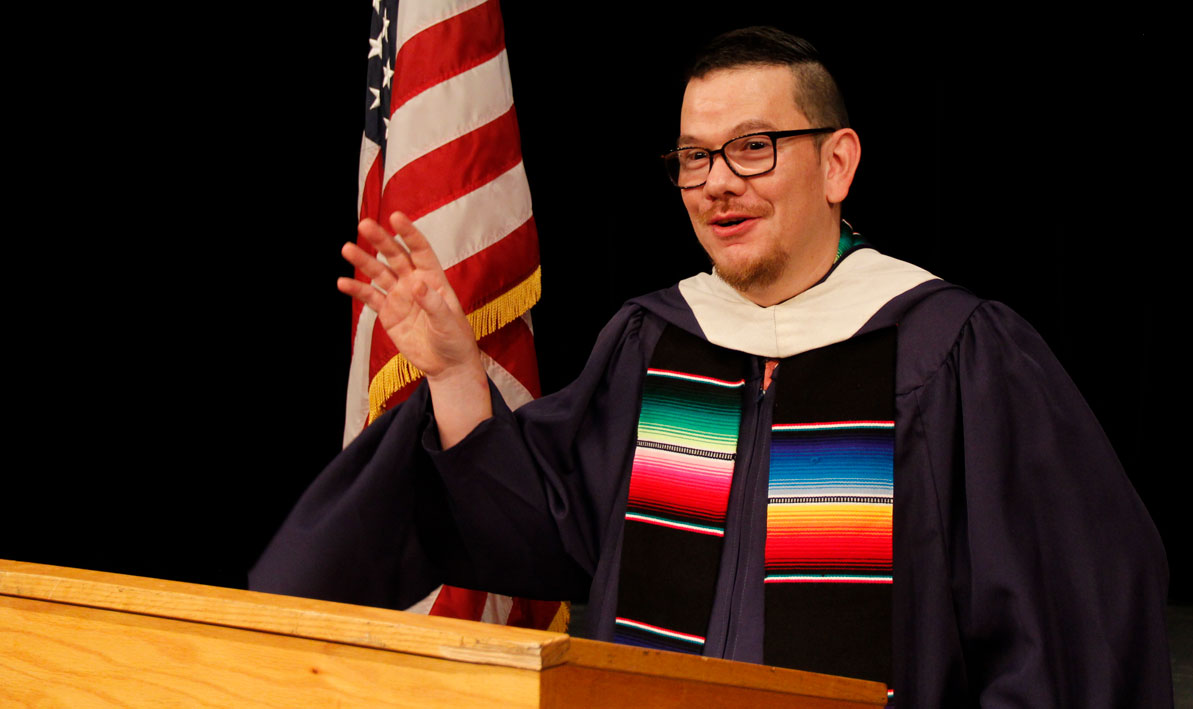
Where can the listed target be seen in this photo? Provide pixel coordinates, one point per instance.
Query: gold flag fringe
(485, 320)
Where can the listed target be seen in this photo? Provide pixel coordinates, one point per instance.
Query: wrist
(460, 398)
(467, 375)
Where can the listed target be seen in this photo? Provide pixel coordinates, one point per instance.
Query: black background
(180, 186)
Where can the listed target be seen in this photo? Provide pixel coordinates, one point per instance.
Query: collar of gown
(830, 311)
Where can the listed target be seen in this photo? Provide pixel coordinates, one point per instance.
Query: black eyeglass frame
(774, 136)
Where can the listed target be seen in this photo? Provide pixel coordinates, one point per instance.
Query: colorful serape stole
(679, 493)
(829, 512)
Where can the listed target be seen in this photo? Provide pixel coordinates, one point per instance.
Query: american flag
(441, 144)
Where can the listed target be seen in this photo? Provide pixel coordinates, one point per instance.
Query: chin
(755, 273)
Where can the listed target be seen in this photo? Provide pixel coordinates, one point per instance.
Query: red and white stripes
(452, 162)
(450, 158)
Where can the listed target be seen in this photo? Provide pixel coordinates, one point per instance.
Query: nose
(722, 180)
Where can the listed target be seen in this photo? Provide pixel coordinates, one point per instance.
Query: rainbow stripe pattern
(687, 444)
(675, 514)
(830, 502)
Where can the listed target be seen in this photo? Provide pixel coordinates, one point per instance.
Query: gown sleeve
(371, 528)
(533, 491)
(507, 510)
(1057, 575)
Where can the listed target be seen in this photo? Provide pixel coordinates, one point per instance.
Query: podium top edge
(379, 628)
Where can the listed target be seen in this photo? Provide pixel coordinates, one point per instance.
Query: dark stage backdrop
(180, 351)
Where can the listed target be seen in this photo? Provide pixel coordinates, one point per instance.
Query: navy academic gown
(1026, 570)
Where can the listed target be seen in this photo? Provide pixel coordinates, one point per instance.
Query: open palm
(412, 297)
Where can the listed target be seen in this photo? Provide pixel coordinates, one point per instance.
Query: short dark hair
(816, 92)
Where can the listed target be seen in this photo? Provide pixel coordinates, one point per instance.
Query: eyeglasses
(747, 156)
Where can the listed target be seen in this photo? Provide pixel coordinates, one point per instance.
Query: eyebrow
(744, 128)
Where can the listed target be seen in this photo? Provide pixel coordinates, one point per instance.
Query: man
(817, 456)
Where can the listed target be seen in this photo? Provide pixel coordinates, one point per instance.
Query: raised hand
(421, 314)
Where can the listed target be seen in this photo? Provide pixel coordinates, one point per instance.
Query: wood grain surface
(77, 638)
(300, 617)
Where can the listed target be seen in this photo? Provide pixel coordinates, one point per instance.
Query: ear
(839, 156)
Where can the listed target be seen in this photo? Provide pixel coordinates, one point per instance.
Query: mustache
(741, 210)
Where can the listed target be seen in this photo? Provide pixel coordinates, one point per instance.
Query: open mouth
(730, 225)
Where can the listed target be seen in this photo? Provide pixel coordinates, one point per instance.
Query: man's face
(766, 231)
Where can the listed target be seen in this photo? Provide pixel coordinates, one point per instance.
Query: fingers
(398, 266)
(386, 245)
(384, 280)
(371, 267)
(421, 253)
(363, 292)
(423, 257)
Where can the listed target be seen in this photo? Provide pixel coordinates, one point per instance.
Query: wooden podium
(75, 638)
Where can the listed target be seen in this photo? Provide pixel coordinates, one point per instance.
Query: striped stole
(829, 510)
(829, 502)
(679, 492)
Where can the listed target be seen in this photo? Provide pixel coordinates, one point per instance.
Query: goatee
(759, 273)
